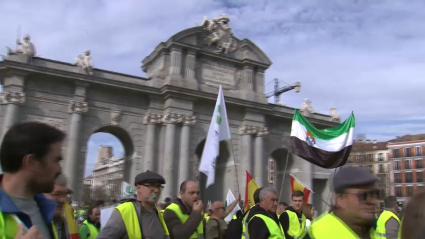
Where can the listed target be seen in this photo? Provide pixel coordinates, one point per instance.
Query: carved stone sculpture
(189, 120)
(248, 129)
(151, 118)
(85, 62)
(307, 106)
(26, 48)
(221, 35)
(172, 118)
(262, 131)
(115, 117)
(11, 97)
(78, 107)
(334, 115)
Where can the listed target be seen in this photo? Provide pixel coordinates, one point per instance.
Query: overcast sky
(366, 56)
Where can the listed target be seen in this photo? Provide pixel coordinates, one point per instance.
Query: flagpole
(236, 168)
(284, 175)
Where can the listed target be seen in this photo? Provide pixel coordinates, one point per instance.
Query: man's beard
(38, 188)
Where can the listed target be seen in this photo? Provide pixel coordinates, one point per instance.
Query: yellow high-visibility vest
(199, 233)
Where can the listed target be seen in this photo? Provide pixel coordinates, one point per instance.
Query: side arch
(279, 159)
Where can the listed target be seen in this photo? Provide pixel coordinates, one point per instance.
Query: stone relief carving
(26, 48)
(151, 118)
(221, 35)
(189, 120)
(172, 118)
(262, 131)
(78, 107)
(85, 62)
(334, 115)
(12, 97)
(248, 129)
(116, 117)
(307, 106)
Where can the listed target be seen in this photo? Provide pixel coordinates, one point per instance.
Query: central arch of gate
(162, 118)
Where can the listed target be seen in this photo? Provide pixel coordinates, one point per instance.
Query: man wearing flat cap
(354, 203)
(141, 218)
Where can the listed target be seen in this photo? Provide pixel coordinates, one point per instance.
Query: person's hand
(33, 233)
(238, 198)
(198, 206)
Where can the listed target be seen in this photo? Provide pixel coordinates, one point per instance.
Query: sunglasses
(363, 196)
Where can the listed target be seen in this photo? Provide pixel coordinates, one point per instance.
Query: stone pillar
(73, 153)
(169, 167)
(184, 162)
(248, 77)
(245, 156)
(12, 100)
(259, 161)
(190, 65)
(259, 81)
(150, 120)
(175, 62)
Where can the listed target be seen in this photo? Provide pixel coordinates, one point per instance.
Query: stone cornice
(78, 107)
(253, 130)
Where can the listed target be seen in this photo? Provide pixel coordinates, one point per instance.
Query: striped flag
(297, 185)
(71, 227)
(250, 189)
(327, 148)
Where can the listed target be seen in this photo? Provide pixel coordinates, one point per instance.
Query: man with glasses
(141, 218)
(354, 203)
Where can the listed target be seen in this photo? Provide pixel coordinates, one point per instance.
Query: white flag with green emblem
(218, 131)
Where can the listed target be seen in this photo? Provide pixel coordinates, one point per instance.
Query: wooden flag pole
(284, 175)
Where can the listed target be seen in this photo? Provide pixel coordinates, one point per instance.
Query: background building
(373, 156)
(407, 164)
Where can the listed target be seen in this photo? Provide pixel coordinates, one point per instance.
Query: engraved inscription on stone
(216, 75)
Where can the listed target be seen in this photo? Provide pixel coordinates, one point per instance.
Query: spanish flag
(251, 187)
(297, 185)
(71, 227)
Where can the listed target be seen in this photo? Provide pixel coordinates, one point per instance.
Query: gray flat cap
(352, 176)
(149, 176)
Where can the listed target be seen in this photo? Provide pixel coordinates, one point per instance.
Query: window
(360, 158)
(272, 172)
(397, 165)
(370, 168)
(380, 156)
(381, 168)
(419, 177)
(409, 190)
(406, 164)
(419, 189)
(370, 158)
(418, 151)
(418, 163)
(398, 192)
(396, 153)
(408, 176)
(397, 177)
(407, 152)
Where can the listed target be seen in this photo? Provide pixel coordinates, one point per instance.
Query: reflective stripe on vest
(296, 228)
(245, 226)
(328, 226)
(382, 220)
(131, 221)
(93, 230)
(9, 227)
(199, 233)
(275, 229)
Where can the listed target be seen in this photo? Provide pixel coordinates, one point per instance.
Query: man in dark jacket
(292, 219)
(264, 223)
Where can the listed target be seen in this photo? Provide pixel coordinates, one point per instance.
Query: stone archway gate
(165, 114)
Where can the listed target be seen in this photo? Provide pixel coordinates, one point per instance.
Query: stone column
(248, 77)
(259, 160)
(259, 81)
(150, 120)
(12, 100)
(245, 156)
(175, 62)
(184, 162)
(169, 167)
(190, 65)
(76, 109)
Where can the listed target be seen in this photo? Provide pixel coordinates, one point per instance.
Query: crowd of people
(34, 195)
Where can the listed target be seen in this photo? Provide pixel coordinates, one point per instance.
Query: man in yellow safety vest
(91, 226)
(30, 156)
(388, 224)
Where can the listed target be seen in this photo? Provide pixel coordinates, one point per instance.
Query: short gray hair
(266, 191)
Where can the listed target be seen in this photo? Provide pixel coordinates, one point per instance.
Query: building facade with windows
(407, 157)
(373, 156)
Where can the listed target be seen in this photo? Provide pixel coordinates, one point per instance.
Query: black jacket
(257, 228)
(284, 221)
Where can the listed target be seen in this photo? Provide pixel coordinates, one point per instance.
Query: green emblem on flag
(218, 115)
